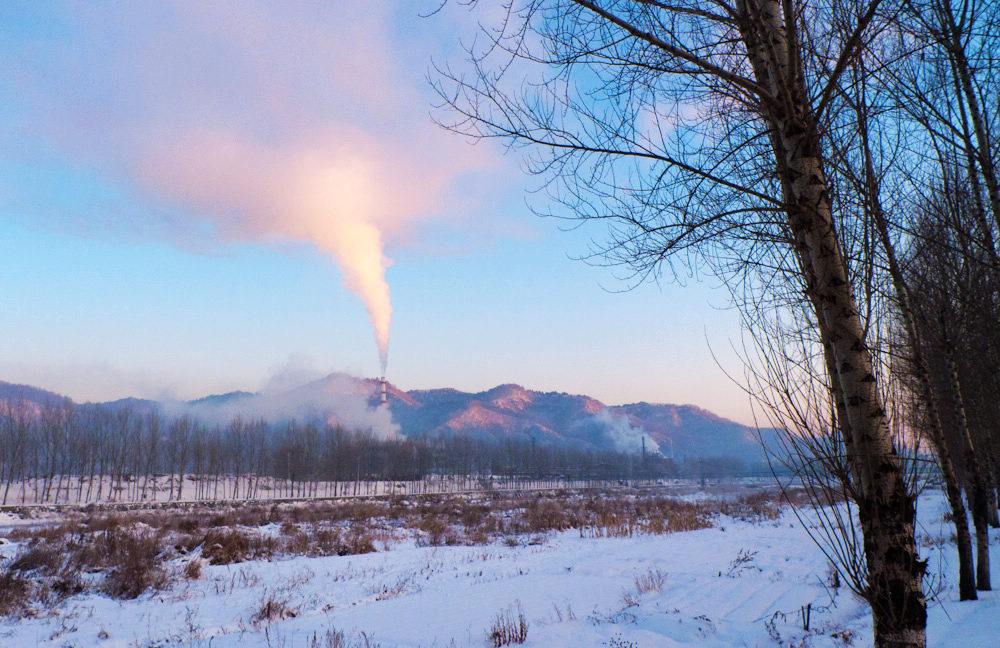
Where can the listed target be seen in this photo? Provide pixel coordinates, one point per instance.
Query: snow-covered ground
(735, 585)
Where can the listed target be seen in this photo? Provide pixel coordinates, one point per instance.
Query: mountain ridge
(505, 412)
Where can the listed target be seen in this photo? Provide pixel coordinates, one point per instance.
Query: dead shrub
(14, 592)
(107, 522)
(135, 566)
(67, 582)
(131, 556)
(272, 608)
(473, 515)
(478, 535)
(436, 528)
(187, 542)
(40, 554)
(298, 544)
(546, 515)
(357, 542)
(223, 519)
(192, 569)
(325, 542)
(361, 511)
(227, 546)
(491, 524)
(52, 534)
(508, 627)
(188, 524)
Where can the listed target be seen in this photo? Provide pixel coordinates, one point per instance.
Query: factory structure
(383, 396)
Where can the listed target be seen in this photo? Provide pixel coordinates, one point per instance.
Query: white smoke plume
(607, 429)
(337, 399)
(329, 192)
(251, 121)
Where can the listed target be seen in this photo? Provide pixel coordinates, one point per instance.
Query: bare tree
(864, 162)
(787, 378)
(744, 179)
(15, 418)
(946, 277)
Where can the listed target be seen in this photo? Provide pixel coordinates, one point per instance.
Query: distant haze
(505, 412)
(195, 193)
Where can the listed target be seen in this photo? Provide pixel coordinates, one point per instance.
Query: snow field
(736, 584)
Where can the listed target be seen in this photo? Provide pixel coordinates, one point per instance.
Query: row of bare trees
(65, 453)
(834, 162)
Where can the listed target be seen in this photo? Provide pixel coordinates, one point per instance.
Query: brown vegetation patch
(14, 591)
(192, 569)
(272, 608)
(128, 550)
(227, 546)
(508, 627)
(40, 554)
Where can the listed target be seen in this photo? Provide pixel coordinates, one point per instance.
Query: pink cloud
(269, 121)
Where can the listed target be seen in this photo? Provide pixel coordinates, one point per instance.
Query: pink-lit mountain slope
(504, 412)
(511, 411)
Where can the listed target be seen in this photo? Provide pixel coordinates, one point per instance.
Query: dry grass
(337, 639)
(14, 591)
(508, 627)
(51, 567)
(39, 555)
(132, 549)
(340, 527)
(192, 569)
(134, 564)
(228, 546)
(130, 557)
(651, 581)
(272, 608)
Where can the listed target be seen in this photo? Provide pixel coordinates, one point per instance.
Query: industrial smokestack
(384, 397)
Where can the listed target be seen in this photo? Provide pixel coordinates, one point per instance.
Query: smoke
(337, 399)
(297, 370)
(329, 192)
(252, 121)
(606, 429)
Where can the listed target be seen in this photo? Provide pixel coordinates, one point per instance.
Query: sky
(203, 197)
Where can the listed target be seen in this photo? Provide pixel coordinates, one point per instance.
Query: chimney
(384, 397)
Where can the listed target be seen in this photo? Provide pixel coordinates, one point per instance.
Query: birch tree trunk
(953, 489)
(885, 507)
(978, 500)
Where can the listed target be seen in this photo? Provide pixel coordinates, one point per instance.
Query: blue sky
(120, 279)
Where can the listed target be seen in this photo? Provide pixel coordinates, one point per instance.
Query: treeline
(83, 454)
